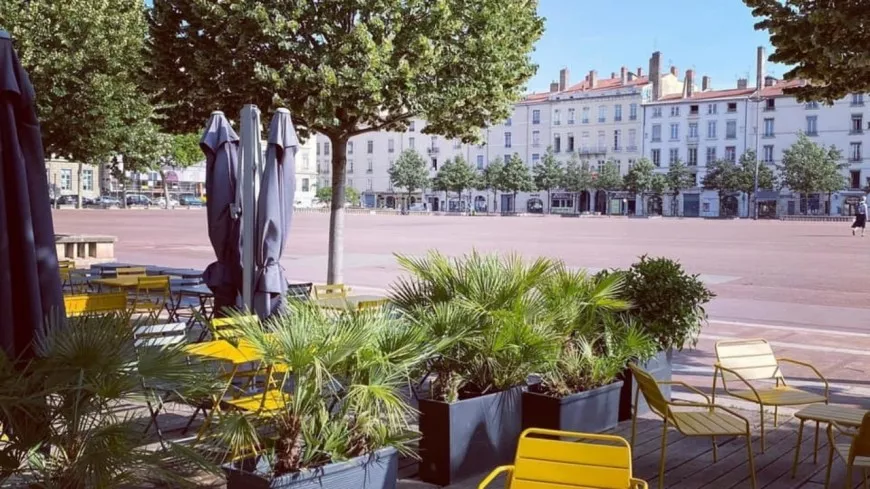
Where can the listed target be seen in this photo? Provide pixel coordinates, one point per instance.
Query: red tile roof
(777, 90)
(605, 84)
(709, 94)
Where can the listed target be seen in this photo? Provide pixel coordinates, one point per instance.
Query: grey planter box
(661, 368)
(468, 437)
(591, 411)
(379, 470)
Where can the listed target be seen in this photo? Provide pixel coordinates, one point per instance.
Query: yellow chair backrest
(650, 390)
(130, 271)
(81, 304)
(753, 359)
(227, 328)
(369, 305)
(861, 444)
(153, 283)
(333, 291)
(66, 264)
(589, 460)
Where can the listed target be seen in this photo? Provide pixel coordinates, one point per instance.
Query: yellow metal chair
(84, 304)
(332, 291)
(855, 454)
(371, 305)
(152, 296)
(130, 271)
(745, 361)
(704, 420)
(590, 461)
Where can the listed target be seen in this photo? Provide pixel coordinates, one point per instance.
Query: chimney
(554, 87)
(593, 79)
(689, 86)
(759, 68)
(675, 71)
(612, 75)
(769, 81)
(623, 75)
(639, 72)
(705, 83)
(742, 83)
(655, 74)
(564, 75)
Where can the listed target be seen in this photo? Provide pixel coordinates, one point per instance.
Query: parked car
(141, 200)
(161, 201)
(72, 200)
(105, 201)
(190, 200)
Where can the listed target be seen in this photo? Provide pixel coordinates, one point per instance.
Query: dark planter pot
(468, 437)
(661, 368)
(379, 470)
(591, 411)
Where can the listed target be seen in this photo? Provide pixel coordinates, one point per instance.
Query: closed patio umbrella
(30, 288)
(220, 143)
(274, 211)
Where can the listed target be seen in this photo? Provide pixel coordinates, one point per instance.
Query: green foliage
(639, 179)
(723, 176)
(455, 175)
(491, 179)
(185, 150)
(324, 194)
(678, 178)
(608, 178)
(808, 167)
(820, 41)
(659, 184)
(62, 426)
(578, 176)
(746, 174)
(409, 172)
(516, 177)
(549, 174)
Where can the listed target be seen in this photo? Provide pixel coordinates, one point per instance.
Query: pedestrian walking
(860, 217)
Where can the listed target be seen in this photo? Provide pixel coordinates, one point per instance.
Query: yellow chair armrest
(638, 484)
(492, 475)
(739, 377)
(687, 386)
(809, 366)
(844, 430)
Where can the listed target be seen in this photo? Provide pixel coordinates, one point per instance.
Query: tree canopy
(549, 173)
(324, 194)
(516, 177)
(577, 176)
(722, 176)
(491, 179)
(455, 175)
(808, 167)
(409, 172)
(823, 42)
(639, 179)
(608, 178)
(677, 179)
(345, 68)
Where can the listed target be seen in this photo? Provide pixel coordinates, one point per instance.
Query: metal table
(179, 272)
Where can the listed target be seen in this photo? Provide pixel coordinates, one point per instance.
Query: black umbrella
(274, 210)
(30, 289)
(220, 143)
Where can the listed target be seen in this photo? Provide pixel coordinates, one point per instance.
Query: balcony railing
(692, 138)
(592, 150)
(434, 150)
(631, 148)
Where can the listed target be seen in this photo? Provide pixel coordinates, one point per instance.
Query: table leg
(797, 449)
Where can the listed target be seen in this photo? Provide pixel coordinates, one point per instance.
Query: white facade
(306, 173)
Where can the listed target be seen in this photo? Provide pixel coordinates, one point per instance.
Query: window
(617, 144)
(434, 163)
(570, 143)
(675, 132)
(656, 133)
(536, 158)
(602, 113)
(507, 140)
(585, 115)
(411, 143)
(557, 117)
(711, 154)
(600, 165)
(318, 149)
(350, 147)
(507, 158)
(857, 124)
(536, 138)
(326, 148)
(370, 167)
(855, 178)
(854, 151)
(732, 106)
(457, 144)
(812, 125)
(557, 144)
(433, 143)
(692, 156)
(411, 126)
(693, 110)
(602, 142)
(305, 163)
(391, 145)
(656, 156)
(674, 155)
(657, 112)
(675, 111)
(731, 153)
(711, 129)
(87, 180)
(65, 179)
(712, 109)
(508, 122)
(632, 112)
(570, 116)
(480, 162)
(767, 154)
(617, 112)
(811, 105)
(731, 130)
(857, 99)
(770, 104)
(350, 182)
(630, 163)
(632, 139)
(350, 166)
(536, 116)
(693, 130)
(306, 184)
(370, 184)
(370, 146)
(768, 128)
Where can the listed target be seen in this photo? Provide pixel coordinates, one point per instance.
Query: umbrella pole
(250, 162)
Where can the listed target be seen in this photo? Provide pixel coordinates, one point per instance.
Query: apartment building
(63, 178)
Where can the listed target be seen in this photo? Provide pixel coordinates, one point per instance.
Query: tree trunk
(549, 203)
(495, 200)
(165, 187)
(81, 171)
(335, 263)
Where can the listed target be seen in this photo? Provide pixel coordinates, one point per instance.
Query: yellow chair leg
(775, 416)
(816, 445)
(751, 460)
(662, 461)
(762, 428)
(864, 478)
(634, 414)
(797, 449)
(715, 454)
(848, 477)
(830, 456)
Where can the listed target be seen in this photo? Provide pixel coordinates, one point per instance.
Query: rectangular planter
(379, 470)
(591, 411)
(661, 368)
(468, 437)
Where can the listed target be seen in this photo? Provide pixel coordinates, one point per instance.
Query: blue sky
(713, 37)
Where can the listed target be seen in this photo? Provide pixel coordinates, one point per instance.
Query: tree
(578, 177)
(409, 172)
(516, 177)
(548, 175)
(809, 168)
(823, 41)
(678, 178)
(639, 180)
(455, 175)
(345, 68)
(324, 194)
(491, 180)
(608, 180)
(724, 177)
(746, 176)
(84, 59)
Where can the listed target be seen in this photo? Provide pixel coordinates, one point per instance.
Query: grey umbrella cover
(274, 213)
(30, 288)
(220, 143)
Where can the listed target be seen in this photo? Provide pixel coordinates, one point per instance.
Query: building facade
(63, 178)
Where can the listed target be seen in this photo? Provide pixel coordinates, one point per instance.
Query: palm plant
(345, 373)
(584, 302)
(66, 417)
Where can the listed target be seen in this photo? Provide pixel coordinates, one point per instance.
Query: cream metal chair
(332, 291)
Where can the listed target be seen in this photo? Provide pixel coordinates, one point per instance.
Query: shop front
(562, 202)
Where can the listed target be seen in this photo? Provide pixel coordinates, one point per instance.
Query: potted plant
(343, 419)
(470, 414)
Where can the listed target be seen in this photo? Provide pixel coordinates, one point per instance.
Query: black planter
(468, 437)
(379, 470)
(591, 411)
(661, 368)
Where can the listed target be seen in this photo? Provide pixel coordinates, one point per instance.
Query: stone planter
(375, 471)
(591, 411)
(661, 368)
(468, 437)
